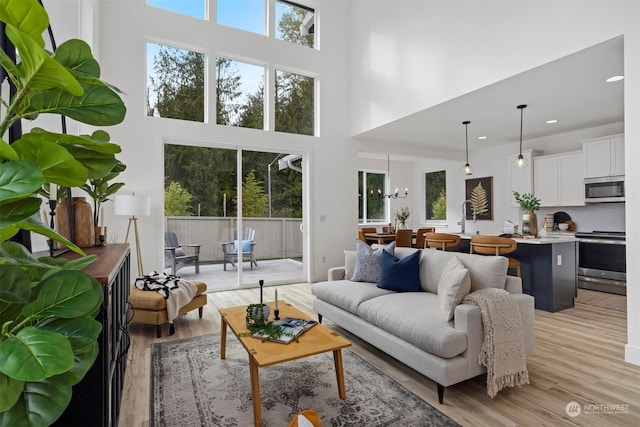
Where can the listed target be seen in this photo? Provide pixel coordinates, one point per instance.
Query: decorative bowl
(563, 226)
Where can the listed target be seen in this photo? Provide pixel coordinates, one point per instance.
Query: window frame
(434, 222)
(364, 193)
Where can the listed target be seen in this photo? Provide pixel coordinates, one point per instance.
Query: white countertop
(546, 240)
(555, 237)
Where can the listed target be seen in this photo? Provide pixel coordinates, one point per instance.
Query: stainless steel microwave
(605, 189)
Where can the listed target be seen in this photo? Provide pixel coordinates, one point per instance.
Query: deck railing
(275, 237)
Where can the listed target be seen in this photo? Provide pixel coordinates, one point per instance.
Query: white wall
(411, 55)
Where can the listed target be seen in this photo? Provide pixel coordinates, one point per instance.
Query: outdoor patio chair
(245, 245)
(174, 255)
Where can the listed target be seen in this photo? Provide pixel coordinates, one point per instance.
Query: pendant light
(521, 161)
(396, 194)
(467, 168)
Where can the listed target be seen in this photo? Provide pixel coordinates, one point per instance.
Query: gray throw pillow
(368, 261)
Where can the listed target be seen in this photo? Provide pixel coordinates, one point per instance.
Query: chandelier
(396, 194)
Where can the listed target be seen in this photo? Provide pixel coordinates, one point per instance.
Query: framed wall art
(480, 192)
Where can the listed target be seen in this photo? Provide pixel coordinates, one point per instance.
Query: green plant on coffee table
(268, 329)
(527, 201)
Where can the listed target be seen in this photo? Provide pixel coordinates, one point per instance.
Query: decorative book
(291, 328)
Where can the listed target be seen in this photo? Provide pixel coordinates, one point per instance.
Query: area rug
(192, 386)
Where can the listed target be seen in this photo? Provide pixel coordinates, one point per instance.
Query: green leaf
(83, 362)
(8, 232)
(41, 404)
(6, 151)
(19, 179)
(34, 354)
(39, 70)
(81, 332)
(16, 286)
(97, 163)
(66, 294)
(98, 106)
(35, 225)
(16, 211)
(27, 15)
(90, 142)
(76, 56)
(58, 165)
(10, 391)
(74, 264)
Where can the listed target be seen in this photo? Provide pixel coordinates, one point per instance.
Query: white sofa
(410, 326)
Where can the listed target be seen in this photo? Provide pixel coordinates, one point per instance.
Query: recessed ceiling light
(482, 137)
(552, 121)
(614, 79)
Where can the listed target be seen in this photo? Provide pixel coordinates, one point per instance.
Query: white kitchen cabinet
(520, 179)
(604, 156)
(558, 180)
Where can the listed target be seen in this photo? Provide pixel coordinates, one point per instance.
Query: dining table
(383, 238)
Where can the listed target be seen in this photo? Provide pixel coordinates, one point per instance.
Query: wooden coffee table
(316, 340)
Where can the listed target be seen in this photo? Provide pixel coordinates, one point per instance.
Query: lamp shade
(132, 205)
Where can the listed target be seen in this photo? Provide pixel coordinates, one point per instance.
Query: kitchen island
(548, 268)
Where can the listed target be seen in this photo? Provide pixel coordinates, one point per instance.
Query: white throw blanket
(176, 291)
(503, 352)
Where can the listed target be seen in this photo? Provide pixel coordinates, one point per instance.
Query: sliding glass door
(245, 209)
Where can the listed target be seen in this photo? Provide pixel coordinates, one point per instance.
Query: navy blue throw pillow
(400, 275)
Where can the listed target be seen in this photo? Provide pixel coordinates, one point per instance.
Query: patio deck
(273, 272)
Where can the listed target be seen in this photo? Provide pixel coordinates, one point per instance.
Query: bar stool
(495, 245)
(420, 236)
(441, 241)
(404, 238)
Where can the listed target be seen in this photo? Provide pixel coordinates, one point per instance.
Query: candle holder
(276, 314)
(52, 213)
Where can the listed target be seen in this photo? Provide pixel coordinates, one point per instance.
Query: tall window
(295, 23)
(371, 207)
(175, 83)
(435, 184)
(294, 109)
(239, 94)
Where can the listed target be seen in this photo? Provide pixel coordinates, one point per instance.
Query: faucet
(464, 214)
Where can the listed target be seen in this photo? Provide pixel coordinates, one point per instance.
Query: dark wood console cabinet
(96, 399)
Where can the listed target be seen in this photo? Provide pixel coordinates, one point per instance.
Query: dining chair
(404, 237)
(441, 241)
(364, 230)
(420, 236)
(495, 245)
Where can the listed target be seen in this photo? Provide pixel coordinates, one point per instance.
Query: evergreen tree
(177, 201)
(254, 200)
(227, 93)
(178, 84)
(439, 207)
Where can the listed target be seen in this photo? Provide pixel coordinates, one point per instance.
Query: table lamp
(133, 206)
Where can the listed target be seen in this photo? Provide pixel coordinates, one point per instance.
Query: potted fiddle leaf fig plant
(48, 332)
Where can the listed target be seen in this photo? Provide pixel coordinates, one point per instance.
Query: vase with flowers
(529, 204)
(402, 215)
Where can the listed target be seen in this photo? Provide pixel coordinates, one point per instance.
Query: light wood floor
(579, 357)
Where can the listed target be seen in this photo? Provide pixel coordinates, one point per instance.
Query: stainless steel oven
(602, 264)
